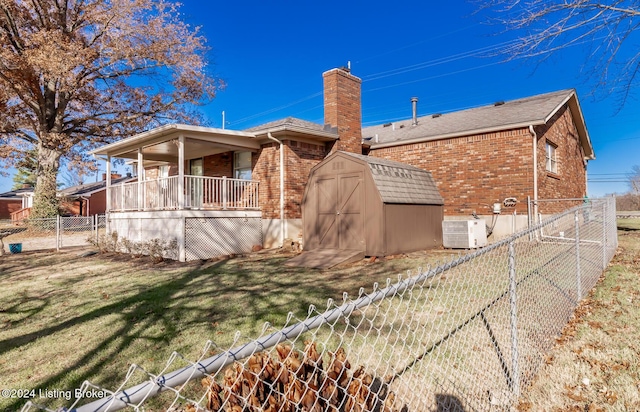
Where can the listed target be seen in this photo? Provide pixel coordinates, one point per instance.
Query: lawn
(594, 366)
(65, 318)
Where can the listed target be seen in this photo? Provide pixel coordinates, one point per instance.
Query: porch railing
(20, 214)
(198, 192)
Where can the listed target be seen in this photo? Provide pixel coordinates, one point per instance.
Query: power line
(416, 43)
(275, 109)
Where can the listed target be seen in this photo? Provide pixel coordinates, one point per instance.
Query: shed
(373, 205)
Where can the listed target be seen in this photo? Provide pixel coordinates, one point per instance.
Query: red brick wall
(72, 208)
(9, 206)
(97, 203)
(266, 169)
(473, 172)
(300, 158)
(218, 165)
(570, 181)
(342, 109)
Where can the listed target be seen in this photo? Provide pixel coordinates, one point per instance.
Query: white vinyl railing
(198, 192)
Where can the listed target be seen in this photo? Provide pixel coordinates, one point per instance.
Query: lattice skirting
(210, 237)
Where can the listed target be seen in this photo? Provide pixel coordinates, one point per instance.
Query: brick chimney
(113, 176)
(342, 109)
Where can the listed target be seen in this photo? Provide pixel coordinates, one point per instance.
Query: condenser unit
(464, 234)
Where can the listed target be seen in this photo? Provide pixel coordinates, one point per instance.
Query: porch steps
(325, 258)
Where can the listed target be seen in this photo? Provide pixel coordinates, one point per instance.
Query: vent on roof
(387, 124)
(436, 115)
(500, 103)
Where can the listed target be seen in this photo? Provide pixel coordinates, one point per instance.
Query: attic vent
(500, 103)
(387, 124)
(436, 115)
(401, 126)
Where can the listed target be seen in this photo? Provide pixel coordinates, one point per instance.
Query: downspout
(270, 137)
(535, 172)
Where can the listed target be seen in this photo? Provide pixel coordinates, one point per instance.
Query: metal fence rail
(466, 335)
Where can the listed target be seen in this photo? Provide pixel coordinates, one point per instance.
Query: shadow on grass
(628, 228)
(235, 293)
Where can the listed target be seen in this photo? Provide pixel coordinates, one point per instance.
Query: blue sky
(271, 55)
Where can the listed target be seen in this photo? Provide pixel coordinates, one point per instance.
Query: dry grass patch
(595, 365)
(65, 319)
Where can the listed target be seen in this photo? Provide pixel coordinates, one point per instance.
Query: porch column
(181, 193)
(140, 172)
(108, 170)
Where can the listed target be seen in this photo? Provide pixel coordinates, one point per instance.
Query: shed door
(340, 223)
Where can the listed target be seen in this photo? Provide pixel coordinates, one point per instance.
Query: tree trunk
(45, 200)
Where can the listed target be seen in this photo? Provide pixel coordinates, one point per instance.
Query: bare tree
(634, 180)
(78, 73)
(606, 28)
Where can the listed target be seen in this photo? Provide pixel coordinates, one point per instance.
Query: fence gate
(210, 237)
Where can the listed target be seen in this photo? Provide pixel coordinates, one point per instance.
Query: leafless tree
(79, 73)
(607, 29)
(634, 180)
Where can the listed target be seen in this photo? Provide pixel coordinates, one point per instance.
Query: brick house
(89, 199)
(532, 148)
(247, 186)
(12, 203)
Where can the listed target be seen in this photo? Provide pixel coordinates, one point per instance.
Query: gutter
(282, 226)
(535, 171)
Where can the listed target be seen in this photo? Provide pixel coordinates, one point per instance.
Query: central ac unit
(464, 234)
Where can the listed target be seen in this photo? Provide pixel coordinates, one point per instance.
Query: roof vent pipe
(414, 104)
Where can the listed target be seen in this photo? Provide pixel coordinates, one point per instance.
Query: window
(242, 165)
(196, 167)
(163, 171)
(552, 161)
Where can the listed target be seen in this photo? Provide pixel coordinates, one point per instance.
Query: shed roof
(534, 110)
(401, 183)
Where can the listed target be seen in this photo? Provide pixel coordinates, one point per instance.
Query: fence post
(182, 242)
(224, 192)
(604, 236)
(515, 370)
(578, 274)
(58, 239)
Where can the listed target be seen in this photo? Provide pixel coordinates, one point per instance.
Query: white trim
(165, 214)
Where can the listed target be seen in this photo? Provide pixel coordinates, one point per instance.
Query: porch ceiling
(160, 144)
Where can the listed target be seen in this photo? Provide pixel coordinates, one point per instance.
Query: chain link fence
(51, 233)
(469, 334)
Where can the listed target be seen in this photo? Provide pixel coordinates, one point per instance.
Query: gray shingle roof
(15, 193)
(514, 113)
(89, 188)
(401, 183)
(289, 121)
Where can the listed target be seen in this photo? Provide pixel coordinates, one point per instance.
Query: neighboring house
(222, 191)
(89, 199)
(13, 203)
(537, 148)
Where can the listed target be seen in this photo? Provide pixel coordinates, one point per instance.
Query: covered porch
(193, 186)
(170, 173)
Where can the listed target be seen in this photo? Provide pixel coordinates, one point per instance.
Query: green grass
(65, 319)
